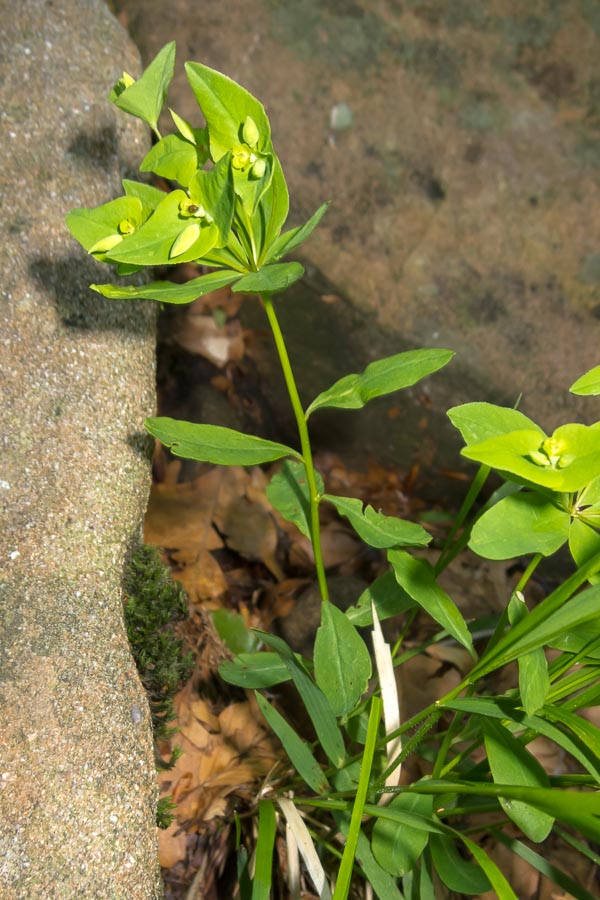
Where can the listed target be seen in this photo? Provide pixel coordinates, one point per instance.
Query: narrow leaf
(168, 291)
(377, 530)
(298, 750)
(254, 670)
(418, 579)
(296, 236)
(342, 661)
(215, 444)
(261, 883)
(270, 279)
(315, 701)
(381, 377)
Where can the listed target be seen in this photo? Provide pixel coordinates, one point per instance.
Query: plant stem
(315, 528)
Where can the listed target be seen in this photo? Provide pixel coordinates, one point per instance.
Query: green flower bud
(250, 132)
(539, 458)
(185, 240)
(106, 243)
(259, 168)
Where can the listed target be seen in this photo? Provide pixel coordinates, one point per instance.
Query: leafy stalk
(314, 498)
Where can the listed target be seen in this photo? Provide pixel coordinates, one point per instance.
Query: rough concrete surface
(77, 776)
(465, 186)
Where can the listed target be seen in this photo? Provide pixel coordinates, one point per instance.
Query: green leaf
(497, 880)
(456, 873)
(382, 883)
(584, 543)
(585, 732)
(418, 579)
(397, 847)
(168, 291)
(546, 868)
(149, 196)
(233, 631)
(300, 754)
(479, 422)
(588, 384)
(90, 226)
(270, 279)
(288, 493)
(511, 764)
(506, 710)
(342, 661)
(377, 530)
(295, 236)
(263, 869)
(214, 191)
(381, 377)
(225, 106)
(389, 598)
(151, 245)
(565, 462)
(215, 444)
(519, 524)
(534, 682)
(146, 97)
(254, 670)
(540, 628)
(272, 212)
(173, 157)
(315, 701)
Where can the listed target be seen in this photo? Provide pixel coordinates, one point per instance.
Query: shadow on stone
(66, 280)
(97, 149)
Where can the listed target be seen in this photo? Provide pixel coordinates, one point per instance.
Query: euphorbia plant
(228, 213)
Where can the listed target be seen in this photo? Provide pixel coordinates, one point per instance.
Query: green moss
(154, 603)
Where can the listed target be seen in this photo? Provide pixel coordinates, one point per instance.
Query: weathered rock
(465, 183)
(77, 775)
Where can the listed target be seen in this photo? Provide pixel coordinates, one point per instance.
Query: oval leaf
(457, 874)
(145, 98)
(215, 444)
(342, 661)
(481, 421)
(519, 524)
(396, 845)
(512, 764)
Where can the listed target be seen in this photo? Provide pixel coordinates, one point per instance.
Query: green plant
(406, 840)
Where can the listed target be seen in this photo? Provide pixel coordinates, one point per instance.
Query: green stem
(448, 551)
(313, 492)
